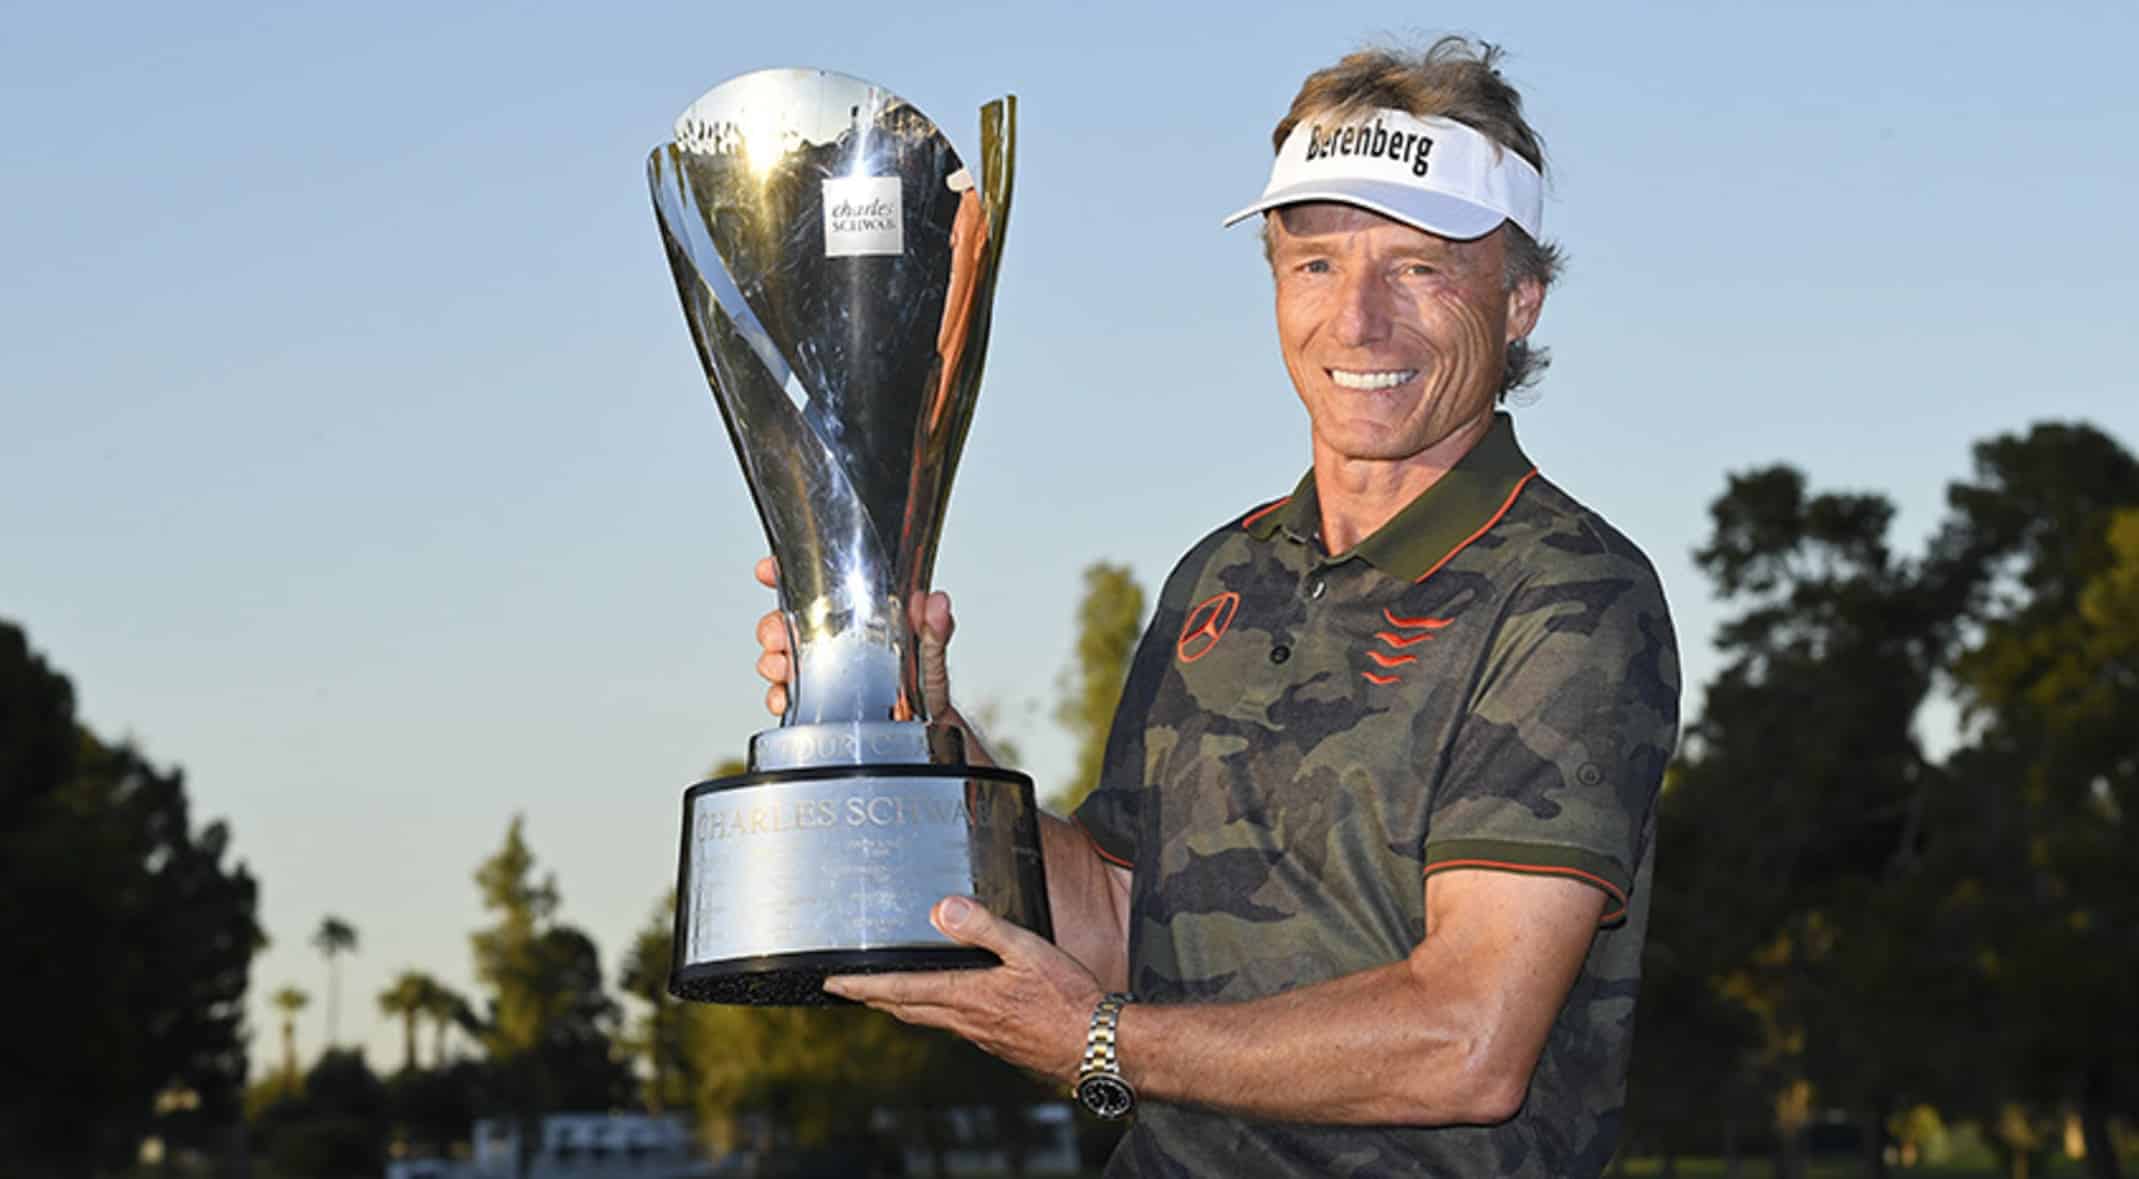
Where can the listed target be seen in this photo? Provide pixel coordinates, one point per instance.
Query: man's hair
(1455, 78)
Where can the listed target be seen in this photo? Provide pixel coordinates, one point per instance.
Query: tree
(800, 1073)
(578, 1050)
(332, 939)
(289, 1000)
(661, 1038)
(1805, 825)
(446, 1008)
(434, 1108)
(549, 1029)
(130, 941)
(335, 1127)
(1694, 1080)
(2047, 534)
(1109, 618)
(1811, 791)
(506, 957)
(407, 999)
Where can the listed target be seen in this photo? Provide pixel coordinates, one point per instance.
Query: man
(1372, 844)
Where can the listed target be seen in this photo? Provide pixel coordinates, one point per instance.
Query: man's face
(1394, 337)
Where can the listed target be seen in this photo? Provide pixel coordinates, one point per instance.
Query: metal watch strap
(1100, 1040)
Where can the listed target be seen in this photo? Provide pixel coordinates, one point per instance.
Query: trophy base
(797, 980)
(788, 876)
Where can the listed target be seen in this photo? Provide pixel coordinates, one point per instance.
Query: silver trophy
(836, 263)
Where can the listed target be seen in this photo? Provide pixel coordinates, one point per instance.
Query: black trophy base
(789, 876)
(797, 980)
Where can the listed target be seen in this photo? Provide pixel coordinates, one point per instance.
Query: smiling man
(1363, 887)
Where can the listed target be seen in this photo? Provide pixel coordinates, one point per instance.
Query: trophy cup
(836, 263)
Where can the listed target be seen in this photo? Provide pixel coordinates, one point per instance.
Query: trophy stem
(853, 658)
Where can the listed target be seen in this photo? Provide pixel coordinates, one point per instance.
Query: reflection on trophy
(836, 263)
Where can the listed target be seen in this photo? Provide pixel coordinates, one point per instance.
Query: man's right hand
(775, 662)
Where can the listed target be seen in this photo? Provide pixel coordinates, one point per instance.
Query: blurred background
(374, 568)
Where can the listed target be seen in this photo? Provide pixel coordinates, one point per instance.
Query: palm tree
(406, 999)
(290, 1001)
(445, 1006)
(334, 937)
(645, 974)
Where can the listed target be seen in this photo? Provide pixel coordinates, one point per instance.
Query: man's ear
(1526, 301)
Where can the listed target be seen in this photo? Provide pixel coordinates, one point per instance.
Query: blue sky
(353, 454)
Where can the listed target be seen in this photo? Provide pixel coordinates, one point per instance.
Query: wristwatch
(1100, 1086)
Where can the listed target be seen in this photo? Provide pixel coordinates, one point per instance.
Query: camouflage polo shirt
(1488, 682)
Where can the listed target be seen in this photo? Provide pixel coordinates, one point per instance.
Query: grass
(1845, 1167)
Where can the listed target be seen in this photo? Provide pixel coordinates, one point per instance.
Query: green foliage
(661, 1035)
(1792, 823)
(332, 939)
(806, 1075)
(2050, 526)
(333, 1127)
(808, 1071)
(129, 941)
(290, 1001)
(430, 1109)
(412, 995)
(509, 956)
(1692, 1073)
(446, 1008)
(550, 1026)
(1109, 618)
(1830, 898)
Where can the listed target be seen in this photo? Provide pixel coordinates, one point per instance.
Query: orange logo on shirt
(1206, 624)
(1408, 632)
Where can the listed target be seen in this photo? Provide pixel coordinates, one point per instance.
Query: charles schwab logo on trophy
(837, 263)
(862, 216)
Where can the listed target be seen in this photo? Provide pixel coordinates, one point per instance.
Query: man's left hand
(1032, 1010)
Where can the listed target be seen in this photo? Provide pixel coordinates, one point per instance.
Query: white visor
(1435, 174)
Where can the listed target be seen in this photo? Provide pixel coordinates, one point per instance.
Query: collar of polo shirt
(1466, 501)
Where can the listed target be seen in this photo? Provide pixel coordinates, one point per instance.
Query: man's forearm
(1368, 1048)
(1089, 901)
(1448, 1035)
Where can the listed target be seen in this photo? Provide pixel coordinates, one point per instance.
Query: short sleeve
(1112, 813)
(1555, 768)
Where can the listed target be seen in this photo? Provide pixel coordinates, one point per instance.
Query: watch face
(1106, 1096)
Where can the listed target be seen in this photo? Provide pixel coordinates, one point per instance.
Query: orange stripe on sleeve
(1103, 853)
